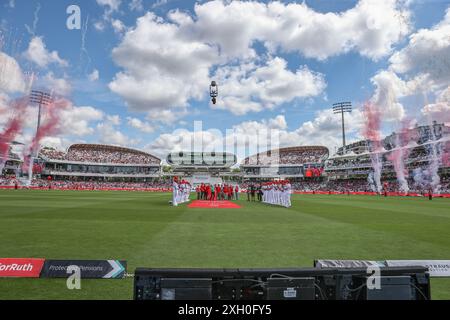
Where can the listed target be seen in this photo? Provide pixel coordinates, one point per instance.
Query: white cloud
(78, 120)
(109, 134)
(11, 76)
(38, 53)
(94, 76)
(422, 66)
(324, 130)
(59, 86)
(166, 116)
(118, 26)
(4, 108)
(279, 122)
(440, 110)
(159, 3)
(99, 25)
(168, 63)
(136, 5)
(251, 87)
(163, 67)
(140, 125)
(252, 127)
(427, 54)
(113, 119)
(58, 143)
(388, 88)
(112, 5)
(73, 120)
(182, 139)
(370, 28)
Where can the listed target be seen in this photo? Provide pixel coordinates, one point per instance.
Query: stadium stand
(290, 162)
(290, 155)
(95, 153)
(94, 161)
(309, 168)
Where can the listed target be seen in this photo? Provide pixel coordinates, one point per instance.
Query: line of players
(181, 189)
(217, 192)
(277, 193)
(274, 192)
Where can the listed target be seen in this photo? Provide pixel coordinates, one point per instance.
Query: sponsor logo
(94, 269)
(21, 267)
(436, 268)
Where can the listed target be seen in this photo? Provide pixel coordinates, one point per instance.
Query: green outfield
(144, 230)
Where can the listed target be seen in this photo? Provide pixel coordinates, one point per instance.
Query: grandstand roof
(201, 159)
(109, 148)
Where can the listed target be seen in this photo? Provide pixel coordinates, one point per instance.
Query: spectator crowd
(308, 156)
(288, 157)
(89, 184)
(99, 156)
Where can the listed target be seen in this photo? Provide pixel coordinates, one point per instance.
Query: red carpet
(213, 204)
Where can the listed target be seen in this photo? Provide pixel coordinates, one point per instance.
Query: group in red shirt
(217, 192)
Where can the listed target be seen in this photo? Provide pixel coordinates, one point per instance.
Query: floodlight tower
(342, 107)
(213, 91)
(41, 98)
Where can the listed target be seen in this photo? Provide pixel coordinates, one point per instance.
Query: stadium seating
(291, 155)
(100, 154)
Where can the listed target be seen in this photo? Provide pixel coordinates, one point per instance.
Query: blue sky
(343, 72)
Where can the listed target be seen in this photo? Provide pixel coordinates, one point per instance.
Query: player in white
(273, 193)
(282, 194)
(180, 191)
(187, 191)
(175, 191)
(277, 193)
(285, 193)
(264, 191)
(289, 192)
(182, 188)
(183, 191)
(269, 192)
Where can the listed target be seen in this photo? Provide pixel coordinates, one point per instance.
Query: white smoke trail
(433, 155)
(372, 133)
(32, 31)
(84, 51)
(377, 165)
(433, 165)
(371, 182)
(397, 157)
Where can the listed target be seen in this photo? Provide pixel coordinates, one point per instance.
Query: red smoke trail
(12, 128)
(371, 129)
(401, 152)
(372, 132)
(47, 128)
